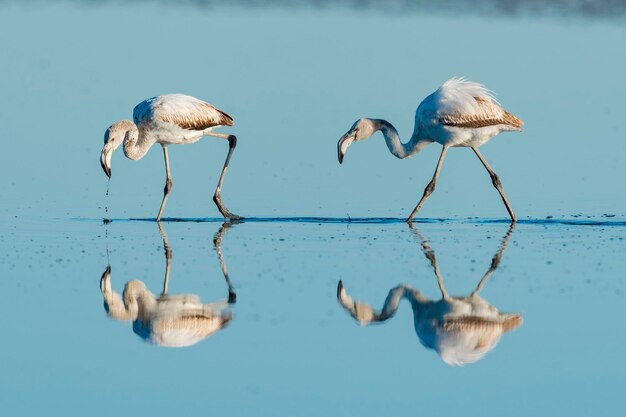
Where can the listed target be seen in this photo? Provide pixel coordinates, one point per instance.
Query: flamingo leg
(217, 243)
(217, 198)
(495, 261)
(496, 183)
(168, 183)
(430, 255)
(430, 187)
(168, 259)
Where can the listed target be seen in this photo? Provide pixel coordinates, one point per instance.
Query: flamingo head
(113, 138)
(361, 129)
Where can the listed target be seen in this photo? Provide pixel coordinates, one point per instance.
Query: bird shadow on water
(169, 320)
(460, 329)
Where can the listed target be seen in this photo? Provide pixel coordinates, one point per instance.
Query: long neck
(418, 301)
(407, 292)
(396, 147)
(134, 302)
(365, 314)
(136, 144)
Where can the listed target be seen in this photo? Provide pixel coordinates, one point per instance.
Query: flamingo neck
(395, 145)
(136, 144)
(418, 302)
(136, 301)
(392, 302)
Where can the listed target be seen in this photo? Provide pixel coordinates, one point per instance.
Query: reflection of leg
(168, 259)
(430, 187)
(495, 262)
(496, 183)
(217, 243)
(430, 255)
(168, 183)
(217, 198)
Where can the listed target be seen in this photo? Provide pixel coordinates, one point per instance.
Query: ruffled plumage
(466, 104)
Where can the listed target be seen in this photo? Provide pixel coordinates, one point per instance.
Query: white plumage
(177, 118)
(463, 113)
(169, 119)
(169, 320)
(460, 329)
(460, 113)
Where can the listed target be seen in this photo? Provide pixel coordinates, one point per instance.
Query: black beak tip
(106, 272)
(106, 169)
(341, 158)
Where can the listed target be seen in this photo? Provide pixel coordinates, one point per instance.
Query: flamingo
(460, 113)
(460, 329)
(168, 119)
(169, 320)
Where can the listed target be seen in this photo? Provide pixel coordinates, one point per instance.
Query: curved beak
(105, 159)
(343, 144)
(105, 281)
(361, 312)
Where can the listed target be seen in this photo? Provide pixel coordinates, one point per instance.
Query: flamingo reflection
(460, 329)
(171, 320)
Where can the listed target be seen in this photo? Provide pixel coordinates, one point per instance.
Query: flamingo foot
(220, 206)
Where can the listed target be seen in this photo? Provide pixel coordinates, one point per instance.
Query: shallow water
(295, 79)
(290, 348)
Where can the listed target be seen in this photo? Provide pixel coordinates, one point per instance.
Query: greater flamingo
(460, 329)
(168, 119)
(460, 113)
(169, 320)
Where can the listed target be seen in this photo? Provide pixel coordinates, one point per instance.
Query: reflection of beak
(360, 311)
(343, 144)
(105, 159)
(105, 282)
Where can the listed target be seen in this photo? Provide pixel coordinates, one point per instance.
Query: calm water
(290, 348)
(295, 80)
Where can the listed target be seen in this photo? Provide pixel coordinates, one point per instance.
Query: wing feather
(187, 329)
(185, 111)
(466, 104)
(490, 115)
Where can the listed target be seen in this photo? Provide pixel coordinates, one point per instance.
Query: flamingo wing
(188, 329)
(184, 111)
(465, 104)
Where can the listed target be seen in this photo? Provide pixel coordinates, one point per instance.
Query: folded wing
(184, 111)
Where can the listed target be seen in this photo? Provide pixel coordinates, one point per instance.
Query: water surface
(295, 79)
(290, 348)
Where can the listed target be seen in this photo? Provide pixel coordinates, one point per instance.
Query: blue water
(290, 349)
(588, 221)
(295, 79)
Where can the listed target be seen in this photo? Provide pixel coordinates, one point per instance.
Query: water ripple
(376, 220)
